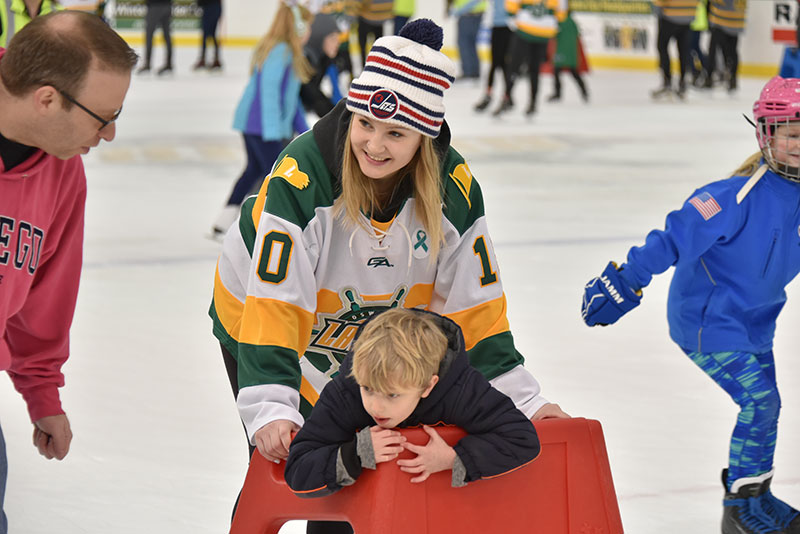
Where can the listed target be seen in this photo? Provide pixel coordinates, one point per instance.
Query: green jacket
(566, 45)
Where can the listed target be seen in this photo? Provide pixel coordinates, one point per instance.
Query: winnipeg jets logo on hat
(383, 104)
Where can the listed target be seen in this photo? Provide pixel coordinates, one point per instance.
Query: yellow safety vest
(479, 8)
(14, 16)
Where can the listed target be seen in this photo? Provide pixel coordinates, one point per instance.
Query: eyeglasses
(91, 113)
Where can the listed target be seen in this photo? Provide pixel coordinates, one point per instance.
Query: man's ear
(46, 99)
(434, 380)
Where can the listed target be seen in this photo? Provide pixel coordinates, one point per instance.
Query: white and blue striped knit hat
(404, 79)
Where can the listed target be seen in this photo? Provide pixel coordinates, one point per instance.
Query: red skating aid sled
(567, 490)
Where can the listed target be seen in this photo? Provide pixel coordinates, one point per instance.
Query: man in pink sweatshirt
(63, 79)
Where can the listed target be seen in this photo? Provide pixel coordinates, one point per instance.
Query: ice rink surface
(158, 445)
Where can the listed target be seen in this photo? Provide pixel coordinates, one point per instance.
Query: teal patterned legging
(750, 381)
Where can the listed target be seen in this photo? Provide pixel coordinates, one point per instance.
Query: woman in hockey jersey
(734, 245)
(371, 209)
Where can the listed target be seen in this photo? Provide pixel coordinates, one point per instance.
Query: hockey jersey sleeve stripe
(274, 322)
(308, 392)
(482, 321)
(483, 357)
(258, 206)
(246, 230)
(419, 295)
(227, 307)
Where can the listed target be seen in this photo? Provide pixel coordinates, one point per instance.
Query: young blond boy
(407, 368)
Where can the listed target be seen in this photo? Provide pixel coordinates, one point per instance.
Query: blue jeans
(468, 26)
(3, 476)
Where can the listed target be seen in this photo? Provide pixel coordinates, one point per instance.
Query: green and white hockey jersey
(295, 280)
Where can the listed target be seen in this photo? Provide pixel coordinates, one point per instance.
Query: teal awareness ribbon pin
(421, 238)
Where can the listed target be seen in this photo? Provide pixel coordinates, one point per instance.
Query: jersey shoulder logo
(290, 171)
(462, 176)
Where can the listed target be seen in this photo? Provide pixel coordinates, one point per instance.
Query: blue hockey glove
(608, 297)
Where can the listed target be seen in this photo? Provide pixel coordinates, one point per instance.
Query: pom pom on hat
(404, 79)
(423, 31)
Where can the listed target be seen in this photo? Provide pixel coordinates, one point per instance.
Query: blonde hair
(749, 166)
(398, 348)
(284, 30)
(359, 193)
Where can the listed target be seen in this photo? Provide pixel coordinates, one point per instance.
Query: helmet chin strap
(790, 173)
(781, 169)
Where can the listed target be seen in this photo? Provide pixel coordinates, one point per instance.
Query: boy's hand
(431, 458)
(386, 443)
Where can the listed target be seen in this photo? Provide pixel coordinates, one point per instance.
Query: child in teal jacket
(269, 112)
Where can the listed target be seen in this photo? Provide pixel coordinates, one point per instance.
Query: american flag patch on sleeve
(706, 205)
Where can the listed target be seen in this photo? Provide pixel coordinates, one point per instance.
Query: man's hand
(550, 411)
(273, 439)
(386, 443)
(52, 436)
(436, 456)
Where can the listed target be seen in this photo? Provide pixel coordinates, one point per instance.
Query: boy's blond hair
(399, 348)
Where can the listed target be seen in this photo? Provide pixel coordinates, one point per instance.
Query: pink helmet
(778, 104)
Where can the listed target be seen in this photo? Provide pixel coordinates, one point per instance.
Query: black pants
(157, 16)
(530, 53)
(668, 30)
(728, 44)
(314, 527)
(501, 38)
(365, 28)
(209, 21)
(575, 74)
(697, 55)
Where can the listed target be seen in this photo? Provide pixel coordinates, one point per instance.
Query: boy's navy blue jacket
(323, 455)
(732, 257)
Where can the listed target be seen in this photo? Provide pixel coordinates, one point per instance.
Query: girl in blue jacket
(735, 245)
(269, 112)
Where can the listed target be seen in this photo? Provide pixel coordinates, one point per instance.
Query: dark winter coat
(323, 456)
